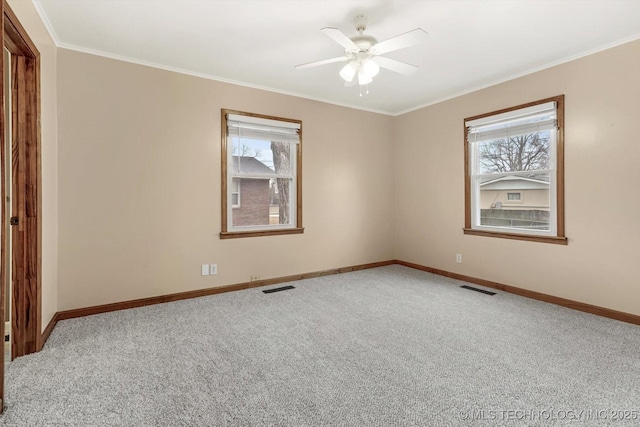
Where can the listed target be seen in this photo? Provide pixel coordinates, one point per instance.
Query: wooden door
(24, 214)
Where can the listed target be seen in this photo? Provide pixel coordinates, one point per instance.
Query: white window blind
(262, 129)
(536, 118)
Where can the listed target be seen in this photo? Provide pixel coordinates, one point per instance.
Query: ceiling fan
(364, 53)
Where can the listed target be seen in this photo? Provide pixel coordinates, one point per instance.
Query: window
(261, 175)
(514, 170)
(235, 192)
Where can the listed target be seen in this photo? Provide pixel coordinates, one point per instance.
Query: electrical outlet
(459, 258)
(205, 269)
(254, 278)
(213, 269)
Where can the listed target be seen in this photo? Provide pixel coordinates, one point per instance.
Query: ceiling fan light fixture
(370, 67)
(348, 72)
(364, 78)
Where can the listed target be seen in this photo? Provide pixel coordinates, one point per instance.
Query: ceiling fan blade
(339, 37)
(323, 62)
(394, 65)
(411, 38)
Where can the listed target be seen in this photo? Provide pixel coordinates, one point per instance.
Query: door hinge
(14, 220)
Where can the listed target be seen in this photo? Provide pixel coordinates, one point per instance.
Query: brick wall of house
(254, 203)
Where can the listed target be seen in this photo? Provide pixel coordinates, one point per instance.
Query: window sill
(515, 236)
(239, 234)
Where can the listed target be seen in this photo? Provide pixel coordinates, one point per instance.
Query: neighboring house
(515, 193)
(515, 201)
(250, 196)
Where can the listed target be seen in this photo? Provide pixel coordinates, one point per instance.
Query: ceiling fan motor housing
(364, 42)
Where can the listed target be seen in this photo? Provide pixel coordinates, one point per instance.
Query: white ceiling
(472, 43)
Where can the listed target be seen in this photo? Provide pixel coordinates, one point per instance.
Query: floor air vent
(283, 288)
(482, 291)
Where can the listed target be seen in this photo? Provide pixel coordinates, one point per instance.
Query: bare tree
(518, 153)
(245, 151)
(282, 164)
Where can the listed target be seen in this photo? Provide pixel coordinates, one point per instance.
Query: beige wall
(600, 264)
(32, 23)
(139, 184)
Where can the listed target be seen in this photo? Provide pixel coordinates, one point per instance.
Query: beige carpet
(384, 347)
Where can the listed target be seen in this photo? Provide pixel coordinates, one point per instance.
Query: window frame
(559, 236)
(226, 202)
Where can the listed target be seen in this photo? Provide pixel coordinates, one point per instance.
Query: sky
(254, 145)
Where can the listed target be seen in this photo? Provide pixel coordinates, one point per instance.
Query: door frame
(26, 201)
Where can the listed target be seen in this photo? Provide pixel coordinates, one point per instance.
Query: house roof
(515, 182)
(539, 179)
(250, 165)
